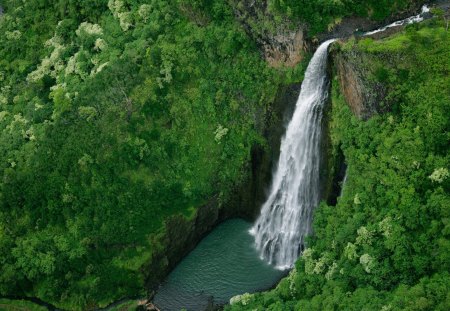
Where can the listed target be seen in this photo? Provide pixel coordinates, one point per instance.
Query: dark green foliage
(319, 15)
(385, 245)
(113, 117)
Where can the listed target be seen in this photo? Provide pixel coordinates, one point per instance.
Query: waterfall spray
(286, 216)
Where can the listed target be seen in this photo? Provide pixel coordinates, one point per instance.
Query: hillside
(130, 128)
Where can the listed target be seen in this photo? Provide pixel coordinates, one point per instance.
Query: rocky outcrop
(362, 91)
(352, 86)
(144, 305)
(284, 48)
(360, 74)
(332, 161)
(281, 41)
(181, 234)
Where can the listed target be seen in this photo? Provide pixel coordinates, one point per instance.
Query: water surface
(224, 264)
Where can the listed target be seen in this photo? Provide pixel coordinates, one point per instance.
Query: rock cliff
(363, 92)
(282, 42)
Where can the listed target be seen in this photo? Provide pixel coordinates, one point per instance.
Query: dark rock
(180, 236)
(386, 33)
(441, 4)
(253, 191)
(332, 161)
(337, 170)
(362, 92)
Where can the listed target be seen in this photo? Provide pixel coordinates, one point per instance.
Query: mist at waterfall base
(224, 264)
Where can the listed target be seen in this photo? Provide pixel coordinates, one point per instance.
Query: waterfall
(343, 182)
(286, 216)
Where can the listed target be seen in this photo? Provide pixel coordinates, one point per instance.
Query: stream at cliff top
(223, 265)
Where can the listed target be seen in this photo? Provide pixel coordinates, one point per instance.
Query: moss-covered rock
(362, 91)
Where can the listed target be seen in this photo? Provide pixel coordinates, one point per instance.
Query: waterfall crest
(286, 216)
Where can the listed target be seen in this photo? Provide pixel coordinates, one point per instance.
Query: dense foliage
(322, 14)
(385, 245)
(114, 115)
(9, 305)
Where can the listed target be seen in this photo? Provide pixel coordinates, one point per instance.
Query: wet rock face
(284, 49)
(281, 42)
(352, 87)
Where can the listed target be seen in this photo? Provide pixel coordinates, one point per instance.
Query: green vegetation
(115, 115)
(128, 305)
(19, 305)
(324, 14)
(385, 245)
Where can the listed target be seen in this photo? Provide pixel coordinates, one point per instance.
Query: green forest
(114, 116)
(118, 114)
(320, 15)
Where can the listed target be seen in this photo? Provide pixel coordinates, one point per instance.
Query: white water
(410, 20)
(286, 216)
(343, 182)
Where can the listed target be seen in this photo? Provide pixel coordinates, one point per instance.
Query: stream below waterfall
(224, 264)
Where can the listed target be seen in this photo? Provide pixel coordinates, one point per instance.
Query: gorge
(135, 133)
(286, 216)
(284, 222)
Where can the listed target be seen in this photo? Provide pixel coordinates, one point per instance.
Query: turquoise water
(224, 264)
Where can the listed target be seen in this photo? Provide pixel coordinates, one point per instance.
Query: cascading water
(286, 216)
(410, 20)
